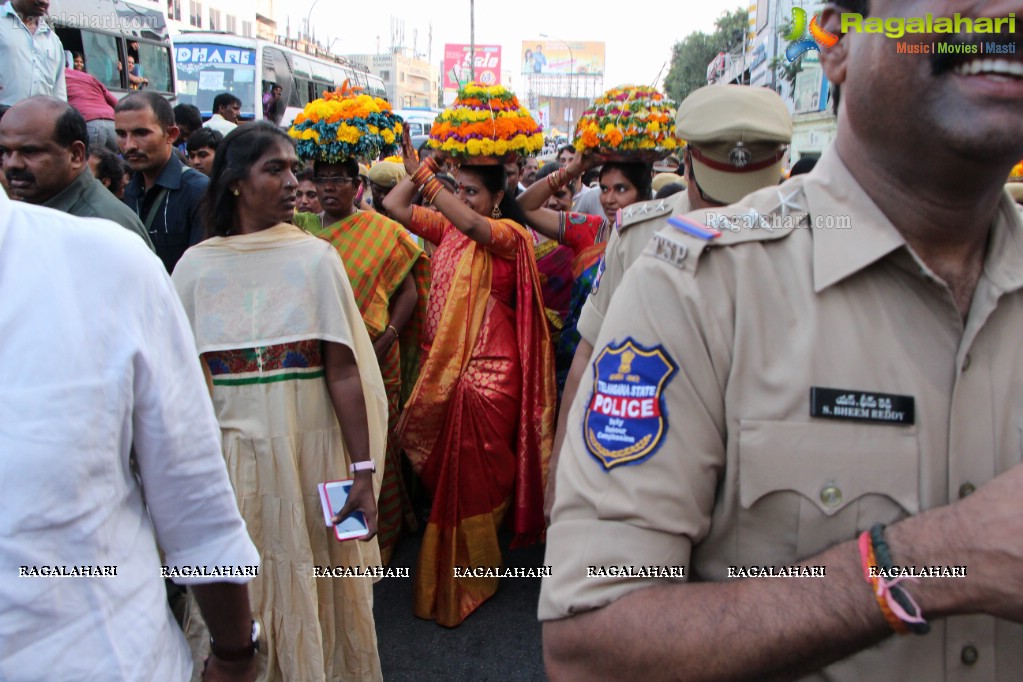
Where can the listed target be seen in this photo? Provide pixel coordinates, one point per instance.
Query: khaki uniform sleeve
(650, 511)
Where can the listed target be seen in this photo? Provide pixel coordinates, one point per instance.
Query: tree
(690, 56)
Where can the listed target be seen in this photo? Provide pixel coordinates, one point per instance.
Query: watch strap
(238, 654)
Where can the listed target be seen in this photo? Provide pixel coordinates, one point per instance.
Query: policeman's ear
(834, 60)
(79, 156)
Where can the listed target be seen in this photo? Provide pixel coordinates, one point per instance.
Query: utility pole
(308, 19)
(472, 40)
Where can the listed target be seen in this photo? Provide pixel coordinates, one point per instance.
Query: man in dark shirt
(44, 150)
(163, 192)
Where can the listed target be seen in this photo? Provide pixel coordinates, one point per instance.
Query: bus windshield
(205, 70)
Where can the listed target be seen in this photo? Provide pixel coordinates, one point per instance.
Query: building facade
(239, 17)
(410, 81)
(760, 62)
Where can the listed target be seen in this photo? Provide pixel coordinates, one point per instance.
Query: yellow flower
(349, 134)
(388, 136)
(473, 147)
(501, 148)
(310, 134)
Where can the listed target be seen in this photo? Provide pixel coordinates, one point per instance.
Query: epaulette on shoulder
(687, 237)
(649, 210)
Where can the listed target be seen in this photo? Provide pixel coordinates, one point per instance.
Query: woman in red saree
(479, 425)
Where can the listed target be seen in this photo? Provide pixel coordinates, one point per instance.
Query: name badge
(864, 406)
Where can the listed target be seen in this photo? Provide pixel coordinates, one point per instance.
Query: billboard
(457, 61)
(558, 57)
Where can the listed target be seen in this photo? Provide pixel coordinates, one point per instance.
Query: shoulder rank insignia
(645, 210)
(625, 421)
(693, 228)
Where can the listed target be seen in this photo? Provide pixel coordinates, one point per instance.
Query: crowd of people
(681, 362)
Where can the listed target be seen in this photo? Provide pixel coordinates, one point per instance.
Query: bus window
(102, 59)
(321, 72)
(320, 87)
(299, 92)
(300, 67)
(337, 76)
(206, 69)
(155, 64)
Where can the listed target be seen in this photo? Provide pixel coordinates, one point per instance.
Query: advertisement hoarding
(558, 57)
(457, 65)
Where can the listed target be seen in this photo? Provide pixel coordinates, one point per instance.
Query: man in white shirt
(103, 400)
(226, 109)
(30, 52)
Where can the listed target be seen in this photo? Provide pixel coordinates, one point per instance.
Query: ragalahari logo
(800, 42)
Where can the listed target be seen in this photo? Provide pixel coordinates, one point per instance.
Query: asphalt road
(500, 641)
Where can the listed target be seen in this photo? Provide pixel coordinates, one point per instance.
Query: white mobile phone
(333, 495)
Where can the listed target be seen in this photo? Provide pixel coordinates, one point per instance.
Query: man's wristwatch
(362, 466)
(240, 654)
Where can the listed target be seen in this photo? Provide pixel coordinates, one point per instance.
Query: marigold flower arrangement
(1017, 172)
(629, 122)
(485, 121)
(345, 124)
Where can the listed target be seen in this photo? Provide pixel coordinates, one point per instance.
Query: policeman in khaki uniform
(772, 395)
(737, 139)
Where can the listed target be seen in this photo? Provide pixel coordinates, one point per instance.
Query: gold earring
(236, 192)
(496, 213)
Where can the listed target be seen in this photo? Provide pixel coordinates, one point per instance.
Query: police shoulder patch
(625, 420)
(648, 210)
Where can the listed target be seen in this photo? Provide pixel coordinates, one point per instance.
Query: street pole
(308, 20)
(472, 40)
(742, 76)
(774, 50)
(571, 75)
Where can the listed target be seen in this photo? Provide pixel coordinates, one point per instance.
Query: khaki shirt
(639, 223)
(723, 465)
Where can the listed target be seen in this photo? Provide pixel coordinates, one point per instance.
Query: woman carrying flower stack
(388, 271)
(479, 425)
(625, 131)
(630, 127)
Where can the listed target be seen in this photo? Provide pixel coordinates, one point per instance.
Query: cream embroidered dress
(260, 306)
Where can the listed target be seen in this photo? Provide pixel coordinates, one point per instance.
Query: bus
(109, 33)
(212, 62)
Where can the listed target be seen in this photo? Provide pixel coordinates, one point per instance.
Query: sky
(638, 37)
